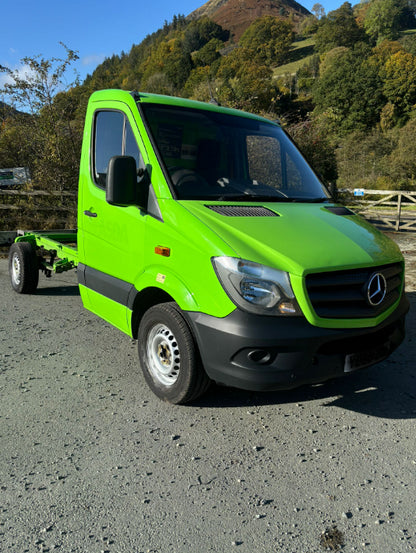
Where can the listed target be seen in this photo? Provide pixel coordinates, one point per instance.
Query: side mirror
(121, 183)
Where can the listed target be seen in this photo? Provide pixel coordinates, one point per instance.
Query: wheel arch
(144, 300)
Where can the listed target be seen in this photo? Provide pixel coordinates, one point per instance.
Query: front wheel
(169, 357)
(23, 267)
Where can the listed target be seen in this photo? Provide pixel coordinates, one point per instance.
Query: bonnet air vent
(242, 210)
(340, 210)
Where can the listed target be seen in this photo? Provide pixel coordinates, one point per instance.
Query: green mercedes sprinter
(204, 233)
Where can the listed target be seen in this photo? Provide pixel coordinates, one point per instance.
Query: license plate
(355, 361)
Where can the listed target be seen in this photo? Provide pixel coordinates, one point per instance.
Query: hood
(297, 237)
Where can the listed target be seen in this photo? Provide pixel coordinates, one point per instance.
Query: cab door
(111, 253)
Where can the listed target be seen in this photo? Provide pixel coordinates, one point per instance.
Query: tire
(168, 355)
(23, 268)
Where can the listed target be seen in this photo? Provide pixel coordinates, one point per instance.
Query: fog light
(260, 356)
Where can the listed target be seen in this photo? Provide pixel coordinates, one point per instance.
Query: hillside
(343, 85)
(237, 15)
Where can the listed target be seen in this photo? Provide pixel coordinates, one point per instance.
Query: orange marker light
(162, 250)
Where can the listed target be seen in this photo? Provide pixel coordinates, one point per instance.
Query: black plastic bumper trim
(255, 352)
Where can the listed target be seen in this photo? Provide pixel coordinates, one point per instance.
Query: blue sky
(95, 29)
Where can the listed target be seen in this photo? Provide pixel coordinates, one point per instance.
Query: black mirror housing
(121, 184)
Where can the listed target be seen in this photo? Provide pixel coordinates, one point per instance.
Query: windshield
(215, 156)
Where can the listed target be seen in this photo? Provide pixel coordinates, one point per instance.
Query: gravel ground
(92, 462)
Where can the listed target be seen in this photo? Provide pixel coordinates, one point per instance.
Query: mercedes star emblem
(376, 289)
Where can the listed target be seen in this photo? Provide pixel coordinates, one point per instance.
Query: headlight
(256, 288)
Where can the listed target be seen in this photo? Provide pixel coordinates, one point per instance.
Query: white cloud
(23, 72)
(93, 59)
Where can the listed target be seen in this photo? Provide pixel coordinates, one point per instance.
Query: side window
(109, 127)
(113, 137)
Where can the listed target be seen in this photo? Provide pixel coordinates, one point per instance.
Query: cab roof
(150, 98)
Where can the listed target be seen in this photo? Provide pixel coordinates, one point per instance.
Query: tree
(200, 31)
(34, 87)
(316, 147)
(168, 58)
(318, 11)
(208, 53)
(245, 84)
(400, 82)
(338, 28)
(382, 20)
(403, 157)
(268, 39)
(50, 136)
(351, 88)
(362, 159)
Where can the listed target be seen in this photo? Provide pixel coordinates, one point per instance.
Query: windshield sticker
(189, 151)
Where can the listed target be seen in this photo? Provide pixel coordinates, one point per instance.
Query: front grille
(343, 294)
(242, 210)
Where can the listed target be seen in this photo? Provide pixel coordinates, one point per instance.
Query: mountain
(236, 15)
(7, 111)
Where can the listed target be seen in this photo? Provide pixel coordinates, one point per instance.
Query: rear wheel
(23, 267)
(169, 357)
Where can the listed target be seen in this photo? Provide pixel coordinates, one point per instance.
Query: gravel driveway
(91, 461)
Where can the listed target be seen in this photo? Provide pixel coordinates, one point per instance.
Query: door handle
(89, 213)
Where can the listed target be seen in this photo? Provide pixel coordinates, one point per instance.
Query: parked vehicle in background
(14, 178)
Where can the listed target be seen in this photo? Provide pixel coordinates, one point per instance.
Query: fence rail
(388, 209)
(394, 210)
(35, 209)
(36, 195)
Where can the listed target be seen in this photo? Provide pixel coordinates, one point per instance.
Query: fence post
(399, 210)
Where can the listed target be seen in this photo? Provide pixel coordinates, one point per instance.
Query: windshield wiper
(312, 200)
(253, 198)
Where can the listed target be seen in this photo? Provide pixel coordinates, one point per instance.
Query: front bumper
(256, 352)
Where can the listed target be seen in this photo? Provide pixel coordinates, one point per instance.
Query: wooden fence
(34, 209)
(34, 195)
(393, 210)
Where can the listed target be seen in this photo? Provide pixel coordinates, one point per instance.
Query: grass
(301, 51)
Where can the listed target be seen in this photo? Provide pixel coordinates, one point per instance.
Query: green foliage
(35, 87)
(170, 59)
(268, 39)
(316, 147)
(400, 81)
(350, 105)
(378, 159)
(361, 159)
(382, 19)
(48, 140)
(402, 159)
(351, 87)
(245, 84)
(201, 31)
(408, 41)
(338, 28)
(318, 11)
(208, 53)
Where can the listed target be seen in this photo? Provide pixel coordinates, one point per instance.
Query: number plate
(363, 359)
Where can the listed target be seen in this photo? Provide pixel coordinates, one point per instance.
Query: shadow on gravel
(387, 390)
(58, 291)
